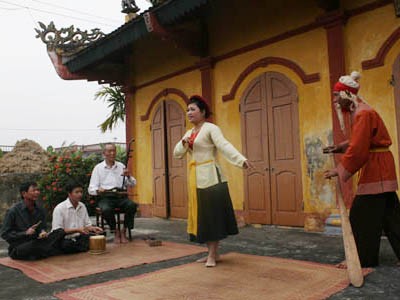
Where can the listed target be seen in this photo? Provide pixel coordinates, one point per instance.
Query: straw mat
(237, 276)
(117, 256)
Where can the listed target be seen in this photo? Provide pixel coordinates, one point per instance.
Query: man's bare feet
(204, 259)
(210, 262)
(123, 238)
(342, 265)
(117, 237)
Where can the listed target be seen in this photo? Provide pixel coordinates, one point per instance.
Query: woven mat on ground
(237, 276)
(117, 256)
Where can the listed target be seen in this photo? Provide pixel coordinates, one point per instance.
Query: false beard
(340, 116)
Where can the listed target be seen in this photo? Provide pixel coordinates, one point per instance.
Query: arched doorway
(169, 174)
(270, 135)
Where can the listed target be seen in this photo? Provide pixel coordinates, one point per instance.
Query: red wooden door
(177, 182)
(273, 192)
(255, 148)
(284, 150)
(160, 207)
(169, 174)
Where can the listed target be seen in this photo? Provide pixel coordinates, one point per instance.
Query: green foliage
(121, 154)
(1, 153)
(116, 101)
(66, 165)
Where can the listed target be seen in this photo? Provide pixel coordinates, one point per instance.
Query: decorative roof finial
(129, 7)
(66, 41)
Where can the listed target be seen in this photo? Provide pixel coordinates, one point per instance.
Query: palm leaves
(116, 101)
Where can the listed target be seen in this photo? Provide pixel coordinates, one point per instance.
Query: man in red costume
(376, 205)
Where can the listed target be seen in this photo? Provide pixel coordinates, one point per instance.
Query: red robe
(368, 150)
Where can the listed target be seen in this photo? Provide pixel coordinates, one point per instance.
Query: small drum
(97, 244)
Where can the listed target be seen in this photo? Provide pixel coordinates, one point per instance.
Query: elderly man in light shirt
(110, 175)
(71, 215)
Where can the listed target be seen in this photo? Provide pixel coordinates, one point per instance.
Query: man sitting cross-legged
(24, 228)
(72, 216)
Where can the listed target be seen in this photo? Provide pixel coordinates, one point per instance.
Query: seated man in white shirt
(72, 216)
(107, 176)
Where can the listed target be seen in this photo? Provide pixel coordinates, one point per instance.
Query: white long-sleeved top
(107, 177)
(66, 216)
(208, 141)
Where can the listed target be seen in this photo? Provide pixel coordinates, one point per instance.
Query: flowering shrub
(65, 166)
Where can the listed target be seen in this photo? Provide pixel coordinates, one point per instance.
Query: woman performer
(211, 217)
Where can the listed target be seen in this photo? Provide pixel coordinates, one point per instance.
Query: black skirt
(215, 216)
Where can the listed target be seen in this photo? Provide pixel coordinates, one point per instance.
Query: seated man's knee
(107, 211)
(131, 206)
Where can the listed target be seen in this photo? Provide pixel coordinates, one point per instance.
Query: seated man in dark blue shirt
(24, 228)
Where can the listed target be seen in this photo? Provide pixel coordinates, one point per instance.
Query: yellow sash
(192, 203)
(379, 149)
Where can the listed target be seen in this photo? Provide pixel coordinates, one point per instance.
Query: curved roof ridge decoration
(67, 41)
(76, 63)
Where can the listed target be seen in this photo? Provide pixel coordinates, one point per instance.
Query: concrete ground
(383, 283)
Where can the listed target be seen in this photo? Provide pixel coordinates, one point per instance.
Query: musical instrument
(115, 192)
(97, 244)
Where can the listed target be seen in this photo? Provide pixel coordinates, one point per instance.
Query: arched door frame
(175, 93)
(271, 207)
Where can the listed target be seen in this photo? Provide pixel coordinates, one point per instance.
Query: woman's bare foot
(342, 265)
(204, 259)
(210, 262)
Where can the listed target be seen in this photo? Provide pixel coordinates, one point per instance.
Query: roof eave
(128, 33)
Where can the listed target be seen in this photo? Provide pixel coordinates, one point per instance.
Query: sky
(36, 104)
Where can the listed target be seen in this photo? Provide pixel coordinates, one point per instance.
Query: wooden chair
(117, 213)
